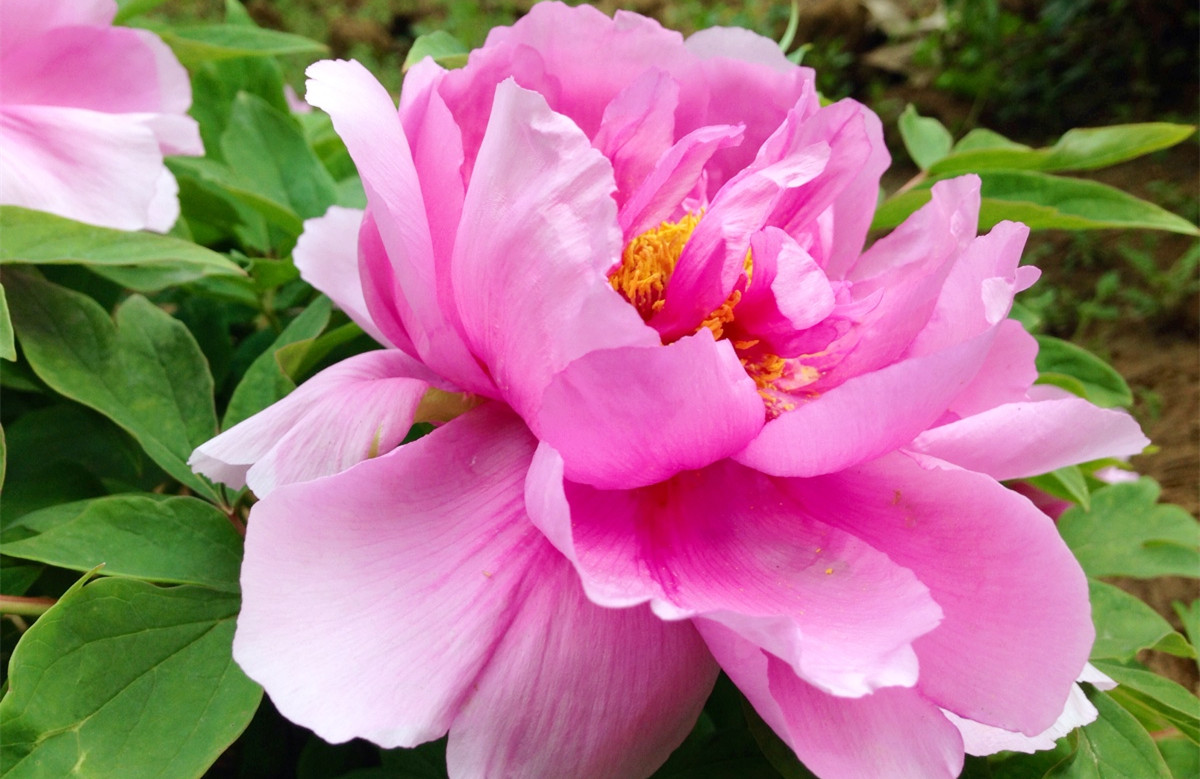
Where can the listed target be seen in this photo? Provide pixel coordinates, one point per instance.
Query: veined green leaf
(1127, 533)
(144, 372)
(151, 261)
(124, 680)
(177, 540)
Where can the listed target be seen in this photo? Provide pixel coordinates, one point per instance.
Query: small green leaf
(926, 139)
(267, 380)
(8, 346)
(145, 372)
(1067, 483)
(1042, 201)
(197, 44)
(1101, 383)
(177, 540)
(1115, 746)
(1125, 626)
(1155, 700)
(143, 261)
(446, 50)
(1127, 533)
(123, 679)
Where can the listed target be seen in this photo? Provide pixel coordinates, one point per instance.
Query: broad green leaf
(926, 139)
(1125, 625)
(1157, 701)
(269, 156)
(144, 372)
(1181, 757)
(219, 176)
(196, 44)
(446, 50)
(1101, 383)
(69, 481)
(125, 680)
(215, 85)
(1078, 149)
(1067, 483)
(1043, 201)
(8, 347)
(1190, 616)
(1115, 746)
(266, 380)
(45, 438)
(1127, 533)
(176, 540)
(17, 575)
(143, 261)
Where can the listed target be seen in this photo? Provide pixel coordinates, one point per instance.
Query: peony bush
(625, 406)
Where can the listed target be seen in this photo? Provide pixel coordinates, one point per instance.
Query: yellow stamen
(648, 262)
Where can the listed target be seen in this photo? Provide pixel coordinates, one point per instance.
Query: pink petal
(1019, 440)
(23, 20)
(539, 232)
(867, 416)
(574, 689)
(995, 565)
(637, 128)
(373, 599)
(726, 544)
(352, 411)
(1007, 374)
(739, 44)
(326, 256)
(364, 117)
(987, 740)
(892, 733)
(93, 167)
(664, 409)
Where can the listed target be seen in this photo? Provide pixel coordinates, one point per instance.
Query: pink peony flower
(87, 111)
(692, 425)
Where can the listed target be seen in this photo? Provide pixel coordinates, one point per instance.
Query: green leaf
(1181, 757)
(45, 438)
(142, 261)
(178, 540)
(1067, 483)
(982, 138)
(267, 380)
(1101, 383)
(145, 372)
(197, 44)
(926, 139)
(1157, 701)
(269, 156)
(127, 9)
(1190, 617)
(897, 208)
(1127, 533)
(1078, 149)
(1115, 746)
(8, 347)
(1043, 201)
(123, 679)
(446, 50)
(1125, 626)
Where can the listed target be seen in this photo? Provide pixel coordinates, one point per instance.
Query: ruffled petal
(726, 544)
(996, 566)
(575, 689)
(629, 417)
(352, 411)
(637, 128)
(1007, 374)
(1018, 440)
(327, 257)
(893, 732)
(372, 599)
(539, 232)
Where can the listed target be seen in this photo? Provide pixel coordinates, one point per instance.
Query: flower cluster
(87, 112)
(685, 423)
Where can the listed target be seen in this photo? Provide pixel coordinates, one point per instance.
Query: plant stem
(29, 607)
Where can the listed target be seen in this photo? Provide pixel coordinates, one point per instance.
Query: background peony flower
(87, 111)
(701, 427)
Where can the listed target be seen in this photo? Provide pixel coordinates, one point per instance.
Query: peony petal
(365, 118)
(373, 599)
(629, 417)
(637, 129)
(726, 544)
(1007, 374)
(352, 411)
(995, 565)
(539, 232)
(327, 257)
(987, 740)
(891, 733)
(739, 44)
(1019, 440)
(93, 167)
(574, 689)
(867, 416)
(24, 20)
